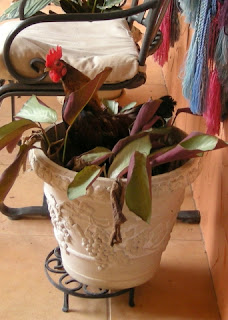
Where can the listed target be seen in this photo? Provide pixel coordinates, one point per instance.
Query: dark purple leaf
(190, 147)
(149, 124)
(11, 133)
(145, 115)
(78, 100)
(13, 144)
(176, 153)
(180, 110)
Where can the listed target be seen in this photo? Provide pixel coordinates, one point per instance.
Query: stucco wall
(211, 188)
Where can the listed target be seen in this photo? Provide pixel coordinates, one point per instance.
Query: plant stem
(94, 6)
(56, 132)
(103, 6)
(65, 144)
(44, 134)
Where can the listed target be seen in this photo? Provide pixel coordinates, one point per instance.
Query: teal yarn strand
(190, 9)
(221, 51)
(189, 70)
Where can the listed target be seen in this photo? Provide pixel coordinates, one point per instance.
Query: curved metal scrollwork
(70, 286)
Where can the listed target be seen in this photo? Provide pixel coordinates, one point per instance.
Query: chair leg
(18, 213)
(12, 107)
(12, 98)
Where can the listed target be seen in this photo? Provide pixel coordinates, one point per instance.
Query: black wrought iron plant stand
(70, 286)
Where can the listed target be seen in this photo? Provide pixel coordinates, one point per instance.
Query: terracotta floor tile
(25, 196)
(189, 203)
(29, 226)
(181, 289)
(186, 231)
(26, 293)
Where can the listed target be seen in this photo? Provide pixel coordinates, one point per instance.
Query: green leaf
(96, 153)
(200, 142)
(121, 161)
(128, 107)
(56, 2)
(14, 130)
(82, 181)
(137, 196)
(109, 4)
(112, 106)
(11, 12)
(78, 99)
(160, 151)
(32, 7)
(37, 112)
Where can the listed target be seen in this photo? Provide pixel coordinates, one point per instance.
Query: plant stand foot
(131, 301)
(189, 216)
(65, 307)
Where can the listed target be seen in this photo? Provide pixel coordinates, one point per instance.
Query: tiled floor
(182, 288)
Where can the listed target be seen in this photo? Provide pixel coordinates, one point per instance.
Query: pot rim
(189, 166)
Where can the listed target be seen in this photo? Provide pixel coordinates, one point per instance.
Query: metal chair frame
(149, 14)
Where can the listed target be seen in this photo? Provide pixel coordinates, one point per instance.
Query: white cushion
(88, 46)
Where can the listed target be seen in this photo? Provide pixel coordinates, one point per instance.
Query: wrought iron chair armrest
(153, 17)
(22, 9)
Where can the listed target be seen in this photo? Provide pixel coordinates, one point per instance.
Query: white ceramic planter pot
(83, 227)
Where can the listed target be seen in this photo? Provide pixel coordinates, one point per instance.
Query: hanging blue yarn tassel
(193, 66)
(190, 9)
(190, 69)
(199, 86)
(196, 69)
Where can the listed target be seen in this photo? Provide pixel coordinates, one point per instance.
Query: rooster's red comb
(53, 55)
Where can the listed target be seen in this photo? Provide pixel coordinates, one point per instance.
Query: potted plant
(111, 232)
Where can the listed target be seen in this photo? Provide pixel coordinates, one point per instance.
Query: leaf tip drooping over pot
(117, 202)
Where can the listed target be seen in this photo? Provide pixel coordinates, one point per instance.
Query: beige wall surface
(211, 188)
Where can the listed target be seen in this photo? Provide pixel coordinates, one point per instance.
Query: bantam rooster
(95, 125)
(72, 79)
